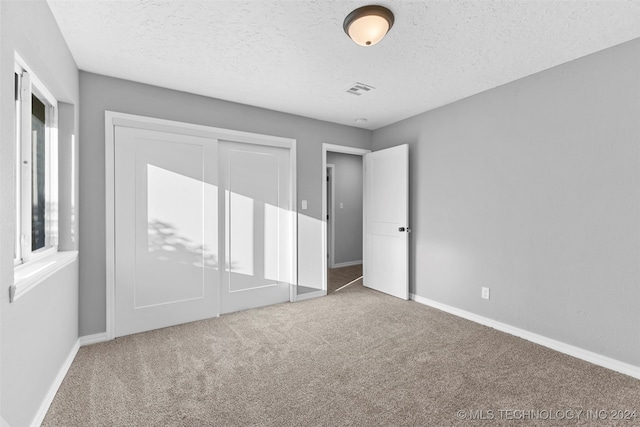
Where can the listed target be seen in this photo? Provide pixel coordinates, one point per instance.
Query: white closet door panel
(166, 229)
(257, 225)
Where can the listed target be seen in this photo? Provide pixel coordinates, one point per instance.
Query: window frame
(28, 84)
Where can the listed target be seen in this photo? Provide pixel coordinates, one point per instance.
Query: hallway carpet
(339, 277)
(356, 357)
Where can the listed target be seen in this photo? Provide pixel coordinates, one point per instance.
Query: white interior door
(166, 229)
(386, 221)
(258, 249)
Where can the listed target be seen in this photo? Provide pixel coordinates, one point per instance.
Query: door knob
(401, 229)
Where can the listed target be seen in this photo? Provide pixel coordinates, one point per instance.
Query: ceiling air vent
(359, 88)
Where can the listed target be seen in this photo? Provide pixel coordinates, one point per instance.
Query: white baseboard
(44, 407)
(586, 355)
(346, 264)
(93, 339)
(82, 341)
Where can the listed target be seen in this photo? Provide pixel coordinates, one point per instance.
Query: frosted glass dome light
(368, 25)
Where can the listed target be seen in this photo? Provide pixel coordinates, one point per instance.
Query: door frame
(331, 229)
(113, 119)
(334, 148)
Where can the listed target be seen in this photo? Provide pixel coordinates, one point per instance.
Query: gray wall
(100, 93)
(41, 328)
(348, 219)
(531, 189)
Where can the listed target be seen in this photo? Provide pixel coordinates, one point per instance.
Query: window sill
(30, 275)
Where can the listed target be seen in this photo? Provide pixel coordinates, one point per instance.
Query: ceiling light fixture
(367, 25)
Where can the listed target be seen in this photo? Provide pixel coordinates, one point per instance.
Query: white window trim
(29, 275)
(34, 267)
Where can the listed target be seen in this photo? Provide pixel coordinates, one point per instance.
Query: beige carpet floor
(353, 358)
(338, 277)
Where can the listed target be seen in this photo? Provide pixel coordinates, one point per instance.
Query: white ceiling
(293, 56)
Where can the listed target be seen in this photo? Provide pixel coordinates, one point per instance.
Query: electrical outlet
(485, 293)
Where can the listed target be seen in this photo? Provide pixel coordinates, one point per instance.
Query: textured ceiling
(293, 56)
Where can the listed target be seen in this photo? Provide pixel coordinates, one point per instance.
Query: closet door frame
(113, 119)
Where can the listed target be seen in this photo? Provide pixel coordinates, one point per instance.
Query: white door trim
(334, 148)
(113, 119)
(331, 229)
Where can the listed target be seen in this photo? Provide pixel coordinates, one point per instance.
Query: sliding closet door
(257, 228)
(166, 229)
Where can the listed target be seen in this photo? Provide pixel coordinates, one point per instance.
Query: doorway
(343, 216)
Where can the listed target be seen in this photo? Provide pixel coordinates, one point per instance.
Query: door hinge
(327, 216)
(16, 86)
(25, 86)
(327, 178)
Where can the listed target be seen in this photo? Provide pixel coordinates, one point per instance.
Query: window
(36, 168)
